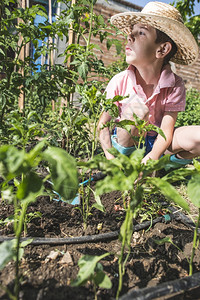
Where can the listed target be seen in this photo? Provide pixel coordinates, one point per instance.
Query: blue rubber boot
(175, 162)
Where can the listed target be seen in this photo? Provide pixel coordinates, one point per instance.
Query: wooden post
(71, 37)
(50, 56)
(71, 40)
(21, 100)
(50, 38)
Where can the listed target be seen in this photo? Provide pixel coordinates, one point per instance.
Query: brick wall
(190, 74)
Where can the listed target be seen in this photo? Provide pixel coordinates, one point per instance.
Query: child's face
(141, 47)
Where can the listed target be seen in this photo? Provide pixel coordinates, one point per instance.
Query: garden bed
(48, 269)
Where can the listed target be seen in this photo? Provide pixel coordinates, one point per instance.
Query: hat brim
(188, 50)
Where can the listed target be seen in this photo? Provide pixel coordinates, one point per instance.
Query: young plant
(86, 207)
(194, 195)
(18, 164)
(28, 218)
(129, 175)
(25, 130)
(91, 270)
(193, 192)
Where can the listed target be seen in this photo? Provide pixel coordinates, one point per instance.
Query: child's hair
(163, 37)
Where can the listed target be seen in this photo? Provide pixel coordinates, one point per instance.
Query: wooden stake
(21, 100)
(71, 40)
(50, 56)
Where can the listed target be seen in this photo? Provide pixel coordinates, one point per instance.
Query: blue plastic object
(180, 161)
(76, 200)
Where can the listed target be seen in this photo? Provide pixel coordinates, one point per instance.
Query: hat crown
(163, 10)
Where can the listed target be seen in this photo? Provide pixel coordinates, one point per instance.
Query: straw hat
(168, 19)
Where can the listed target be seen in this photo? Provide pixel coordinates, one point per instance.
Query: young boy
(155, 36)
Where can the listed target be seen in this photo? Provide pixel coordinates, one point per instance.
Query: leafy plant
(25, 130)
(15, 68)
(18, 164)
(28, 217)
(86, 208)
(129, 175)
(191, 20)
(92, 270)
(191, 114)
(193, 192)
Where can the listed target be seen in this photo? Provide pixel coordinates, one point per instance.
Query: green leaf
(30, 188)
(12, 158)
(36, 152)
(194, 189)
(179, 174)
(64, 173)
(2, 52)
(7, 252)
(169, 192)
(167, 239)
(102, 280)
(196, 165)
(126, 229)
(83, 70)
(26, 243)
(98, 205)
(87, 264)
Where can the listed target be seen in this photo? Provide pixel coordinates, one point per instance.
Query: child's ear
(163, 49)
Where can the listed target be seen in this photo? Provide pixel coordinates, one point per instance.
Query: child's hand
(151, 155)
(145, 159)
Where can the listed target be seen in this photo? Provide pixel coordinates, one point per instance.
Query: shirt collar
(167, 78)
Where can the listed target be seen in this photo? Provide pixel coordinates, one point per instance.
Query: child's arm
(104, 134)
(160, 145)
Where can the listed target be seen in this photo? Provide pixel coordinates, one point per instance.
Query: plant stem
(126, 234)
(90, 30)
(120, 271)
(95, 292)
(195, 239)
(18, 236)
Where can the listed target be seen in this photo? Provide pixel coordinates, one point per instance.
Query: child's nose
(131, 38)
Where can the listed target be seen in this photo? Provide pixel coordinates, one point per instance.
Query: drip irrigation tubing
(84, 239)
(175, 214)
(163, 289)
(179, 216)
(177, 286)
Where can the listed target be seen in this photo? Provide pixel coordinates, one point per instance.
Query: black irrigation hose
(170, 287)
(178, 216)
(84, 239)
(105, 236)
(163, 289)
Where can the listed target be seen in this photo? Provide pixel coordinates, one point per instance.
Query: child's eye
(141, 33)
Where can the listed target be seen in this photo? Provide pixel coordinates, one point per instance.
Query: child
(155, 36)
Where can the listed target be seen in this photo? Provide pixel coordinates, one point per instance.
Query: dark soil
(48, 270)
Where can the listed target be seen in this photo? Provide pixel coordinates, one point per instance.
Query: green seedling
(16, 163)
(167, 239)
(194, 195)
(28, 218)
(91, 270)
(25, 129)
(86, 208)
(193, 191)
